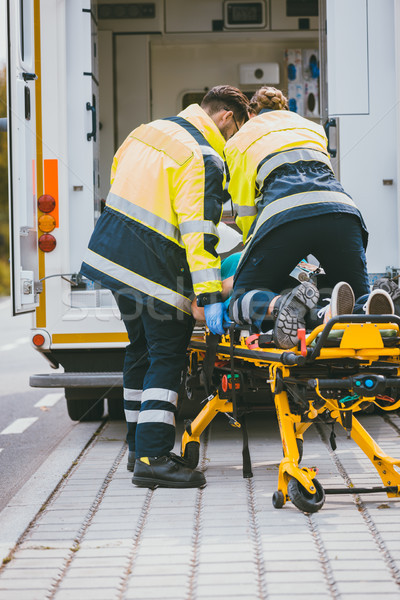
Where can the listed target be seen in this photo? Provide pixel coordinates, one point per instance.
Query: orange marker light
(47, 242)
(38, 339)
(46, 223)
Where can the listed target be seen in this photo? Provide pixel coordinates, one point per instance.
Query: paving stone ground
(99, 537)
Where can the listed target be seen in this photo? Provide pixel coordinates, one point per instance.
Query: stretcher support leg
(382, 462)
(289, 466)
(204, 418)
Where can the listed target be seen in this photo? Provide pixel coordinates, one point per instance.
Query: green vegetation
(4, 244)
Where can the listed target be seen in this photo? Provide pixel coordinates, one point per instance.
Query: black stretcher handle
(349, 382)
(345, 384)
(286, 358)
(388, 488)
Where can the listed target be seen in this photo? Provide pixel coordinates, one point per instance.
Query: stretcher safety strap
(136, 281)
(289, 157)
(144, 216)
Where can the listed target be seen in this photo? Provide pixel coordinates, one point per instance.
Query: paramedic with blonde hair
(289, 205)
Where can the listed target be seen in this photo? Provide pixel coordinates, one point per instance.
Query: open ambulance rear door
(23, 162)
(362, 100)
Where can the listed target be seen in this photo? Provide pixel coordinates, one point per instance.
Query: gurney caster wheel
(191, 454)
(278, 499)
(302, 499)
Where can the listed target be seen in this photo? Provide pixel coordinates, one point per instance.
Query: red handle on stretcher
(301, 334)
(252, 341)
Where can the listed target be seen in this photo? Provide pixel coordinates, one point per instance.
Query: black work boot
(165, 471)
(131, 460)
(289, 313)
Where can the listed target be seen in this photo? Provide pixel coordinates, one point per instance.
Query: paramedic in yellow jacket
(153, 246)
(289, 204)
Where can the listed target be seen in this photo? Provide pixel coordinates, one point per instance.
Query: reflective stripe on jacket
(158, 232)
(280, 171)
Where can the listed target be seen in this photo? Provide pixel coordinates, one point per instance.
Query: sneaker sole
(302, 299)
(155, 483)
(345, 299)
(380, 305)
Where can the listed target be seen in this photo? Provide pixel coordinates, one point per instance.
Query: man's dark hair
(226, 97)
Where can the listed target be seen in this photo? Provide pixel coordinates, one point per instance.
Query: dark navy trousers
(335, 239)
(154, 361)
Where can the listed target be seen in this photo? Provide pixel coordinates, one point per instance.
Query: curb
(27, 502)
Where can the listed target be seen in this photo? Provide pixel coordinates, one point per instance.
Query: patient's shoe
(289, 313)
(341, 302)
(392, 289)
(379, 303)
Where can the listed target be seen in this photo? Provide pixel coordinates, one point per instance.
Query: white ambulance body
(83, 74)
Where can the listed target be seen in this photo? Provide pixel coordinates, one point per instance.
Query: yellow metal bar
(301, 428)
(382, 462)
(41, 309)
(286, 422)
(204, 418)
(289, 466)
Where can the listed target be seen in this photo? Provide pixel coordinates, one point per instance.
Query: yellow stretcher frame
(363, 340)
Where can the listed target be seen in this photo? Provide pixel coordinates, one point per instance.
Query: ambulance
(82, 74)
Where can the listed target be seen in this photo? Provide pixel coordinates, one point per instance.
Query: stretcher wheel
(192, 454)
(302, 499)
(278, 499)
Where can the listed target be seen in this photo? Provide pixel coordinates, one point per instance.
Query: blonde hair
(268, 97)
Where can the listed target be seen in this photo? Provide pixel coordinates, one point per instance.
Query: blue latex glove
(215, 315)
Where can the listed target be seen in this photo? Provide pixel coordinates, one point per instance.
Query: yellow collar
(204, 123)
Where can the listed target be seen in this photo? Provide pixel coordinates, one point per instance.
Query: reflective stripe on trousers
(160, 377)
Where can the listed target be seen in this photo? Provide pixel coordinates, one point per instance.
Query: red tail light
(38, 339)
(47, 242)
(46, 203)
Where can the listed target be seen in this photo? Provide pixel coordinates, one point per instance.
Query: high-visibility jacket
(157, 235)
(280, 171)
